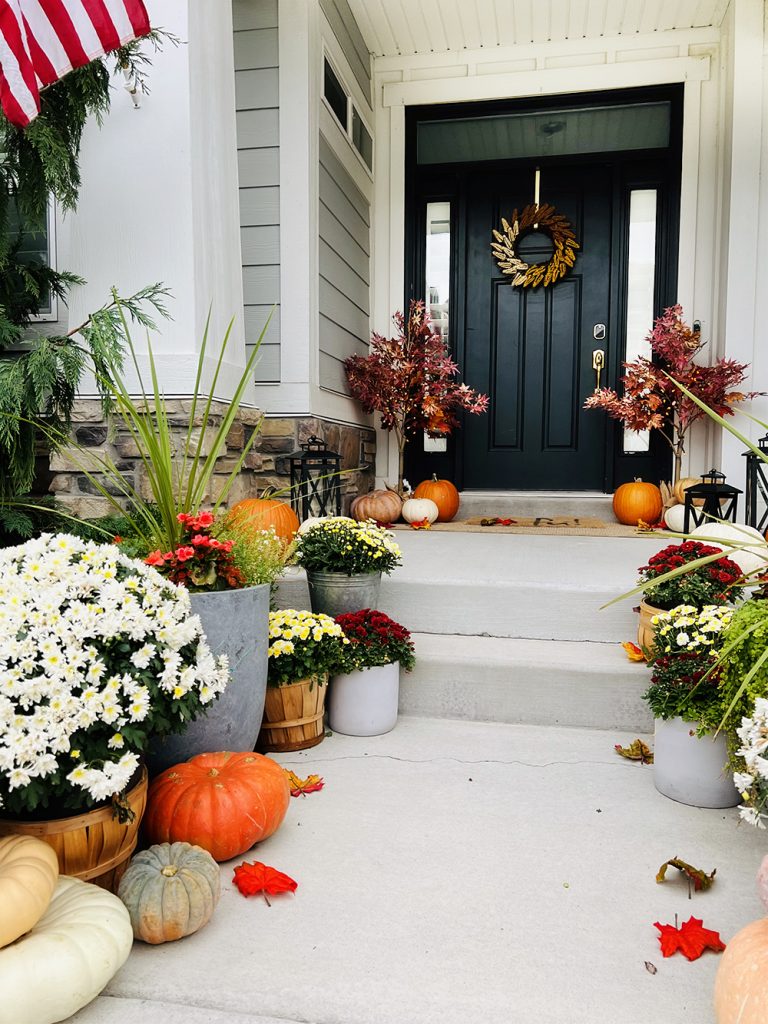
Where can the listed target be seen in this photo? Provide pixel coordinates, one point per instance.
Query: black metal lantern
(756, 497)
(720, 500)
(315, 480)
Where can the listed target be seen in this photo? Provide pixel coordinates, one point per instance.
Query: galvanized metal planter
(236, 623)
(690, 769)
(335, 593)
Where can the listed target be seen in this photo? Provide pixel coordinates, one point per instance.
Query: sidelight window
(641, 282)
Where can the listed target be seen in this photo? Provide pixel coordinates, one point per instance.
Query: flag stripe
(41, 40)
(44, 70)
(97, 11)
(62, 23)
(19, 65)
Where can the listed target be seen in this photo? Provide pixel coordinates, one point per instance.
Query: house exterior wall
(258, 153)
(158, 201)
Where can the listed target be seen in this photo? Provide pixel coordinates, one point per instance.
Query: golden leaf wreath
(547, 220)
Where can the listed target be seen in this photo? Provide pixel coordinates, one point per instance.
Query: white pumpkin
(674, 518)
(415, 510)
(29, 869)
(64, 962)
(748, 559)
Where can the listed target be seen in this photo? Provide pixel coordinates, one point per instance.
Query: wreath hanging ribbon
(545, 219)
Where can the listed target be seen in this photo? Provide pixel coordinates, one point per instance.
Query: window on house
(336, 95)
(35, 246)
(641, 282)
(347, 114)
(361, 139)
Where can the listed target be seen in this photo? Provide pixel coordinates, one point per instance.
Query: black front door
(532, 349)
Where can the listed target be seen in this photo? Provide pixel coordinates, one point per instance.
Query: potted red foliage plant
(411, 380)
(653, 401)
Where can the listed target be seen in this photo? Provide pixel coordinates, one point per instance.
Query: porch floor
(460, 873)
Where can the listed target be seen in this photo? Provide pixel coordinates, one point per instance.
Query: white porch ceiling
(406, 27)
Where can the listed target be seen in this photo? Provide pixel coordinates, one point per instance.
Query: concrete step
(526, 586)
(508, 504)
(528, 682)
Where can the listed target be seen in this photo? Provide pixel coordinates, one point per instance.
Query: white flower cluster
(689, 630)
(753, 783)
(90, 642)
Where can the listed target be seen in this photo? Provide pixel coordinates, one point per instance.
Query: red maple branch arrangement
(652, 400)
(411, 381)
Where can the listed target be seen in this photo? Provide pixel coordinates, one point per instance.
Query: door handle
(598, 362)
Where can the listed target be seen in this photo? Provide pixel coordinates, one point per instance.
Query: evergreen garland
(39, 375)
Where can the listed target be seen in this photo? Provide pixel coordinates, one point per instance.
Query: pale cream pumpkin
(170, 891)
(741, 985)
(63, 963)
(674, 518)
(417, 509)
(28, 873)
(682, 486)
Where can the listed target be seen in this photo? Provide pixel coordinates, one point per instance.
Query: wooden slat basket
(293, 715)
(94, 846)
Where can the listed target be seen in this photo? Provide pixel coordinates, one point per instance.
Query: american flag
(41, 40)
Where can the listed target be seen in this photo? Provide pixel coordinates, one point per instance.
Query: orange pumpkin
(635, 501)
(224, 802)
(261, 513)
(444, 495)
(383, 505)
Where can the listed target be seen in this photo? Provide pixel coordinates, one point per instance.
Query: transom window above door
(565, 132)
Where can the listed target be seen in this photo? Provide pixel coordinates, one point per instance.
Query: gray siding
(344, 227)
(256, 100)
(344, 26)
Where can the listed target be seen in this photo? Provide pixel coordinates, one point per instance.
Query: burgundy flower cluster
(375, 639)
(201, 561)
(717, 582)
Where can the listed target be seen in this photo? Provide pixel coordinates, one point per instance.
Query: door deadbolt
(598, 332)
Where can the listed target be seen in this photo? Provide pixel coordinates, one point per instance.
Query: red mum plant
(374, 639)
(652, 400)
(718, 582)
(411, 380)
(201, 561)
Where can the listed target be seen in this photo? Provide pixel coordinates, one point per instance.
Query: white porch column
(159, 200)
(744, 91)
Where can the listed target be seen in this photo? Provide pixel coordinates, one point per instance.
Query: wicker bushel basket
(93, 846)
(293, 715)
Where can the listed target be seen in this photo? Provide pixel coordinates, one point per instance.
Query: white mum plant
(98, 653)
(752, 783)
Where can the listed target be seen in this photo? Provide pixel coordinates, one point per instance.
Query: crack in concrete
(458, 760)
(245, 1016)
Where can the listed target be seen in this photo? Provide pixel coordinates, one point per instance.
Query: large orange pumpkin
(444, 495)
(224, 802)
(635, 501)
(383, 505)
(261, 513)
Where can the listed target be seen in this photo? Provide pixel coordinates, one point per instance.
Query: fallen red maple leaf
(255, 878)
(691, 939)
(300, 787)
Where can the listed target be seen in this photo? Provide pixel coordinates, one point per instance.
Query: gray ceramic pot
(335, 593)
(236, 623)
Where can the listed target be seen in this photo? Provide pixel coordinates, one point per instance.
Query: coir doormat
(544, 522)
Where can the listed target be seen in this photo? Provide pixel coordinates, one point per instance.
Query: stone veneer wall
(265, 465)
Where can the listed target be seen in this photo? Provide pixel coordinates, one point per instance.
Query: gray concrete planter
(335, 593)
(236, 623)
(690, 769)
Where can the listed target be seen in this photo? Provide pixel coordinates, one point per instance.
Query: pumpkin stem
(434, 477)
(169, 870)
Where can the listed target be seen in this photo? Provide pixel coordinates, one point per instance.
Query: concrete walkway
(459, 873)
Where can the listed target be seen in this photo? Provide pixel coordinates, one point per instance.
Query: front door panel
(531, 350)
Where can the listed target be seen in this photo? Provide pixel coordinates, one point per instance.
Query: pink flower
(155, 558)
(183, 554)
